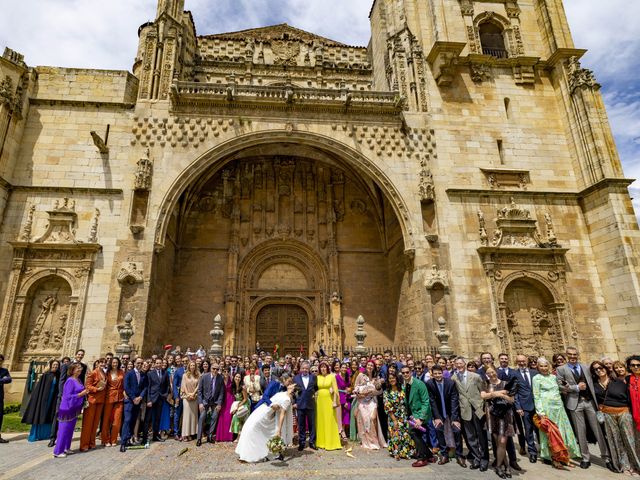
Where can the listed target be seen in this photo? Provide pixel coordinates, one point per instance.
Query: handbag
(242, 411)
(234, 407)
(599, 413)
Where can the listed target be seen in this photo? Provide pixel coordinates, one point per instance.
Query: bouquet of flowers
(276, 445)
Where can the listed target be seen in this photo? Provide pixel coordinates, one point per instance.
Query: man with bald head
(524, 403)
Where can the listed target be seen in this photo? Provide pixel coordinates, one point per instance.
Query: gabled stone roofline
(241, 34)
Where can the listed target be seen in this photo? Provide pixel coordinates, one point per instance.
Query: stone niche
(526, 270)
(44, 303)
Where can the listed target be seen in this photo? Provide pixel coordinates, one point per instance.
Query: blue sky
(102, 34)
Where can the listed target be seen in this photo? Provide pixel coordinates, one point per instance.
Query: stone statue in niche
(49, 325)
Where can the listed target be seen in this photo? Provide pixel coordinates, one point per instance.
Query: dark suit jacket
(133, 388)
(238, 369)
(264, 383)
(177, 381)
(4, 379)
(451, 401)
(503, 375)
(207, 395)
(273, 388)
(158, 385)
(524, 395)
(305, 398)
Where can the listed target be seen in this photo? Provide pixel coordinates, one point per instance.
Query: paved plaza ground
(22, 460)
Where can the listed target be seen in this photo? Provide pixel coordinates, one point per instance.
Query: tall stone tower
(514, 114)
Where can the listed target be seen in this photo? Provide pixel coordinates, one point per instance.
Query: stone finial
(125, 332)
(25, 236)
(216, 335)
(442, 334)
(93, 233)
(360, 335)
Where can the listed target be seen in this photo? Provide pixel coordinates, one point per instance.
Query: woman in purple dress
(73, 394)
(344, 386)
(223, 430)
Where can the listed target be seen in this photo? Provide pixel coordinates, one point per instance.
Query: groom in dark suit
(157, 392)
(306, 406)
(210, 397)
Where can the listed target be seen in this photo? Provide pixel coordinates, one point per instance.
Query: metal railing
(495, 52)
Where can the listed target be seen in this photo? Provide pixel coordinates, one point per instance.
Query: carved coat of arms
(285, 52)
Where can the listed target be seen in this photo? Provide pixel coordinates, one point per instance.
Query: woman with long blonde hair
(189, 396)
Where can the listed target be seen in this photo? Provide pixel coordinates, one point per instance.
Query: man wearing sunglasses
(210, 397)
(576, 386)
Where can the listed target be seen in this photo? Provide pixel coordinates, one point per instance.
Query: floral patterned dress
(400, 442)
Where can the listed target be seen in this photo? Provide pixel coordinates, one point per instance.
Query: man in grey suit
(469, 386)
(210, 397)
(576, 386)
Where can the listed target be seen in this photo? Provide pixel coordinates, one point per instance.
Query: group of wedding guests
(421, 409)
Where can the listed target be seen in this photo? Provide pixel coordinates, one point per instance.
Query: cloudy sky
(102, 34)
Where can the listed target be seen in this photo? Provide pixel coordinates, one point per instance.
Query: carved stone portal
(47, 288)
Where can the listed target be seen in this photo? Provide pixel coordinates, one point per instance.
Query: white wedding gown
(261, 426)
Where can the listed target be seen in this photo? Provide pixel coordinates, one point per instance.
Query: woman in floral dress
(400, 442)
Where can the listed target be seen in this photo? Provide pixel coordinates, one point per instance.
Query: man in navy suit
(157, 391)
(274, 386)
(525, 407)
(443, 397)
(135, 389)
(176, 382)
(306, 406)
(210, 397)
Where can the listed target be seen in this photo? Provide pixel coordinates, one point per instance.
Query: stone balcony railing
(286, 97)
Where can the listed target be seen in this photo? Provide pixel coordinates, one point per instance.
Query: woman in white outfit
(266, 422)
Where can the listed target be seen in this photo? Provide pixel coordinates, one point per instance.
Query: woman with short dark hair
(73, 393)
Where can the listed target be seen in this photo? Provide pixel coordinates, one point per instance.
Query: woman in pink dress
(367, 389)
(223, 430)
(344, 387)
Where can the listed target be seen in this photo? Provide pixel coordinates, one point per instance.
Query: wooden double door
(284, 325)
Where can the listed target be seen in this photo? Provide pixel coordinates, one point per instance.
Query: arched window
(492, 40)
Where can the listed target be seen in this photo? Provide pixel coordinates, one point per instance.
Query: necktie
(444, 408)
(460, 376)
(525, 375)
(138, 376)
(576, 371)
(158, 371)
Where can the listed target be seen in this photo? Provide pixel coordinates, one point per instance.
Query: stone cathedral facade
(457, 175)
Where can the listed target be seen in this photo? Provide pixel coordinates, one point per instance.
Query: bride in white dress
(265, 423)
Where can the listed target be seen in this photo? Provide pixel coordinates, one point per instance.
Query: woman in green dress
(400, 442)
(241, 412)
(548, 402)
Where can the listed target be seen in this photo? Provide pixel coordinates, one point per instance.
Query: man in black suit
(265, 376)
(210, 397)
(157, 391)
(445, 409)
(63, 378)
(135, 389)
(5, 378)
(306, 406)
(235, 368)
(525, 407)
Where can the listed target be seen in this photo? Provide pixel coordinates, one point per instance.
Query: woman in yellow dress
(327, 433)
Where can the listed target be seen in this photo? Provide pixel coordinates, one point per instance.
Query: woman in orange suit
(96, 384)
(114, 404)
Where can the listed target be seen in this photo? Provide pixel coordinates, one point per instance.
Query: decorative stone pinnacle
(216, 335)
(126, 332)
(360, 335)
